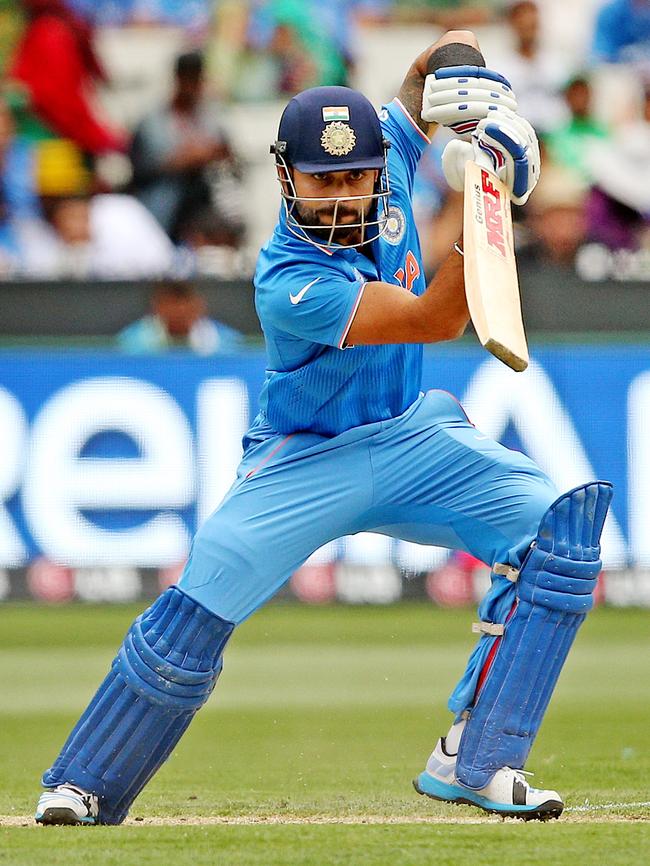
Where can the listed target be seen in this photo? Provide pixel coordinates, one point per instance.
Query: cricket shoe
(66, 804)
(507, 794)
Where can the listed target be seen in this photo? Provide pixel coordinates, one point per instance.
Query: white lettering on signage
(497, 396)
(368, 548)
(60, 487)
(59, 484)
(369, 584)
(414, 557)
(108, 584)
(13, 425)
(222, 420)
(638, 419)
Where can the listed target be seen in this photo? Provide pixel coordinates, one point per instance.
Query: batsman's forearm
(443, 311)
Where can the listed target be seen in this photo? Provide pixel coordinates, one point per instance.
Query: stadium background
(114, 448)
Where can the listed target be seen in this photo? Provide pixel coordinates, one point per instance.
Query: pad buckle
(507, 571)
(495, 629)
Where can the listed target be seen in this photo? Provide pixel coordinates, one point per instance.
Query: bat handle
(484, 161)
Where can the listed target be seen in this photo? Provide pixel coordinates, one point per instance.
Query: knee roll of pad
(554, 592)
(558, 583)
(163, 673)
(157, 664)
(562, 568)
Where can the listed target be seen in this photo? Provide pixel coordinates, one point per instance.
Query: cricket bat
(491, 283)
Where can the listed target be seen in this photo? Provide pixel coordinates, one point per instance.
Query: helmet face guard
(326, 130)
(372, 223)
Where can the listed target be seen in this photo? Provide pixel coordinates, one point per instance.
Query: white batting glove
(507, 145)
(459, 96)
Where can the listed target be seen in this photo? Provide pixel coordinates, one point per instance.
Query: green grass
(327, 714)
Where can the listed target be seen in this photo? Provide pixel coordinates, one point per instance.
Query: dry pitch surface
(305, 753)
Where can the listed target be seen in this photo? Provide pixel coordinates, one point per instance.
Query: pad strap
(164, 671)
(553, 594)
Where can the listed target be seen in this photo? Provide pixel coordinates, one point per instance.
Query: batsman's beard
(313, 216)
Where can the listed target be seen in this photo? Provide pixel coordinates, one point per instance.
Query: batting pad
(554, 592)
(164, 671)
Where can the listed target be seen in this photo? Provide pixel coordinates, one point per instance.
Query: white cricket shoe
(67, 804)
(507, 794)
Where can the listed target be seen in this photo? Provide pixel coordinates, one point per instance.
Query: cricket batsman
(346, 442)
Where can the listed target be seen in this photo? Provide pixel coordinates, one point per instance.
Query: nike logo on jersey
(297, 298)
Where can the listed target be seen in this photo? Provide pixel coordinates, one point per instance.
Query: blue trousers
(427, 476)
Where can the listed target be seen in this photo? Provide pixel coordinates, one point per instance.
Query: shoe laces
(521, 772)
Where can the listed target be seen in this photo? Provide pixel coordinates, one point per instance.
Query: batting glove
(459, 96)
(504, 143)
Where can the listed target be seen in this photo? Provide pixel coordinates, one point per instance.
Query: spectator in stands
(534, 70)
(339, 20)
(569, 144)
(448, 14)
(84, 235)
(8, 243)
(311, 43)
(267, 48)
(556, 217)
(268, 57)
(11, 24)
(296, 66)
(178, 320)
(206, 249)
(191, 14)
(18, 198)
(182, 160)
(618, 207)
(57, 65)
(622, 33)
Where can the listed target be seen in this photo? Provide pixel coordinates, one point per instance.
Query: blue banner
(109, 459)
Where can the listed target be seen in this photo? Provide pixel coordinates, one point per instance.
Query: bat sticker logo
(494, 225)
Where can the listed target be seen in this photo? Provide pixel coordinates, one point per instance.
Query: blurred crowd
(83, 197)
(595, 183)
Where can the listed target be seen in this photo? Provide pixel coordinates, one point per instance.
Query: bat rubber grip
(455, 54)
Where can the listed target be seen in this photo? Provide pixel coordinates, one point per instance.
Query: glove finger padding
(459, 96)
(507, 144)
(454, 158)
(511, 143)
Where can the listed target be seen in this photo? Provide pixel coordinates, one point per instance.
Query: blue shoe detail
(431, 787)
(67, 806)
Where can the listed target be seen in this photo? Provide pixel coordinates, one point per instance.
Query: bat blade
(491, 282)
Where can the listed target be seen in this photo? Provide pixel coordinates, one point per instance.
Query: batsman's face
(322, 187)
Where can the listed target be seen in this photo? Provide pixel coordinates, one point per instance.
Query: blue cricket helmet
(330, 129)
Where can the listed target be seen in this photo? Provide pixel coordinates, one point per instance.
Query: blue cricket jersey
(306, 298)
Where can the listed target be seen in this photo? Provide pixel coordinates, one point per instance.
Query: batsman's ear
(454, 54)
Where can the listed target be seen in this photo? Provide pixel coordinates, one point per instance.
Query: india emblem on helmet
(338, 138)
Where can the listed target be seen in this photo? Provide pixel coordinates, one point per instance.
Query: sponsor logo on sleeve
(297, 298)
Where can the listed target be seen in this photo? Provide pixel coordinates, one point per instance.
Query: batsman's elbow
(460, 329)
(456, 329)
